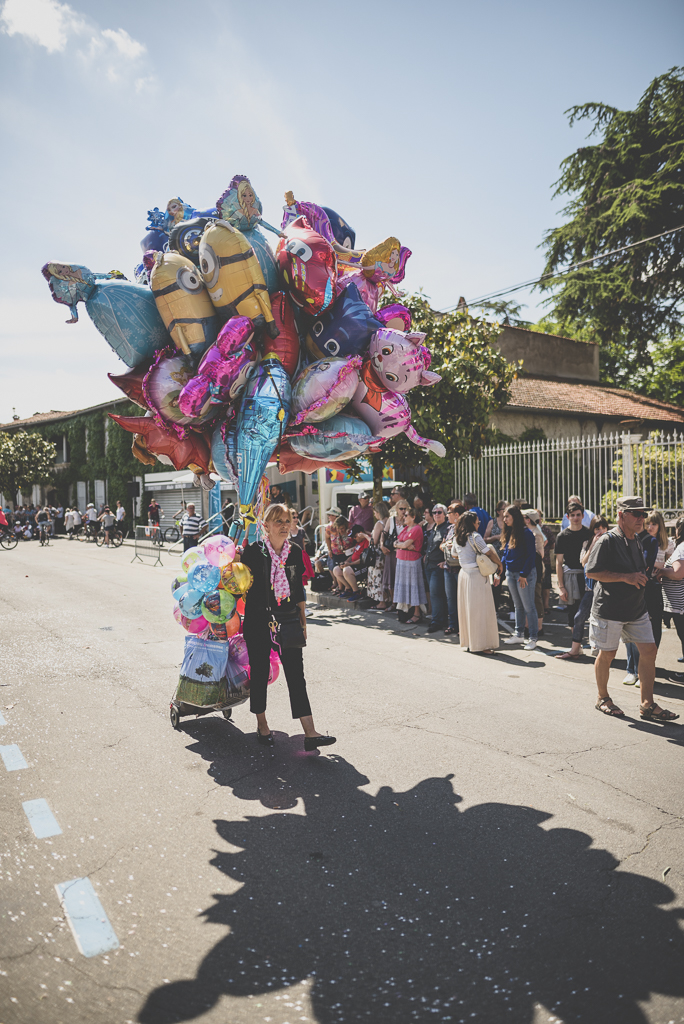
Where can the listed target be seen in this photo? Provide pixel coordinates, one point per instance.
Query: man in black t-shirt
(569, 544)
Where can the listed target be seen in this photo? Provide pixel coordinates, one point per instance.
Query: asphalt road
(480, 845)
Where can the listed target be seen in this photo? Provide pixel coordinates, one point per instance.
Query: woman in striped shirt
(672, 576)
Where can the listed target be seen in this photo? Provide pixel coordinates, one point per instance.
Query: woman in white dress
(478, 629)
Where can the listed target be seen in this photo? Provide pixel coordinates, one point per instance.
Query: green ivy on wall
(99, 449)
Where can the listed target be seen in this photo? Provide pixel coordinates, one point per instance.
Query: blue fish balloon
(346, 330)
(124, 313)
(224, 452)
(261, 422)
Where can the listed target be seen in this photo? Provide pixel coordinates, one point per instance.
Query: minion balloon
(183, 303)
(233, 276)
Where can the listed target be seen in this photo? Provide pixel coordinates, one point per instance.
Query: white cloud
(45, 22)
(125, 44)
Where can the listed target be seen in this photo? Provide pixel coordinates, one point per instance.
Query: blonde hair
(273, 510)
(655, 517)
(380, 253)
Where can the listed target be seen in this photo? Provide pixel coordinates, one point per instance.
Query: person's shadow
(401, 907)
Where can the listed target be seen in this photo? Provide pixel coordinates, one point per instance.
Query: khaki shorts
(607, 633)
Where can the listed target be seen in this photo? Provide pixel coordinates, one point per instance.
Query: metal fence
(148, 544)
(599, 469)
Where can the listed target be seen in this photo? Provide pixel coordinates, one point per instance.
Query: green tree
(663, 378)
(476, 381)
(626, 187)
(25, 459)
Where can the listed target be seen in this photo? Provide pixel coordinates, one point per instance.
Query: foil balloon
(395, 316)
(400, 361)
(308, 267)
(125, 314)
(316, 217)
(387, 414)
(162, 386)
(219, 551)
(179, 581)
(185, 238)
(224, 371)
(191, 557)
(218, 606)
(274, 666)
(183, 303)
(290, 462)
(233, 276)
(131, 383)
(339, 438)
(191, 452)
(204, 576)
(196, 626)
(261, 422)
(286, 346)
(190, 603)
(241, 207)
(224, 452)
(236, 578)
(323, 388)
(155, 240)
(344, 234)
(237, 652)
(382, 266)
(345, 330)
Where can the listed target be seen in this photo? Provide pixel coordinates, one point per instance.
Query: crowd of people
(456, 568)
(27, 521)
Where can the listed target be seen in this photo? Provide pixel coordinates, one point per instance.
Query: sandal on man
(653, 713)
(606, 706)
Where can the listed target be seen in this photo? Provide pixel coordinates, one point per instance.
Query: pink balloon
(219, 550)
(275, 667)
(197, 625)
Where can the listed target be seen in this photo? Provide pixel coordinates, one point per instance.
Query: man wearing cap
(362, 514)
(618, 565)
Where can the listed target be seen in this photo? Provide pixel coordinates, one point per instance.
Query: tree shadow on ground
(402, 907)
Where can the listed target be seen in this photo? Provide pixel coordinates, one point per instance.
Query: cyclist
(120, 515)
(154, 511)
(44, 523)
(107, 519)
(92, 525)
(76, 523)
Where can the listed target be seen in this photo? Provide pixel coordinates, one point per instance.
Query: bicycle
(172, 533)
(116, 537)
(8, 539)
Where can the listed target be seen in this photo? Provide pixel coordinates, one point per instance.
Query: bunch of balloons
(239, 354)
(208, 597)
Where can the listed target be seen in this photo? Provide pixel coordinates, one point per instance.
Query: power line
(573, 266)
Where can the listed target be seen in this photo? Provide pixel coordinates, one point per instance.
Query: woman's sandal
(567, 656)
(661, 715)
(606, 706)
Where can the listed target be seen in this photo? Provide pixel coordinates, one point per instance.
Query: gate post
(627, 465)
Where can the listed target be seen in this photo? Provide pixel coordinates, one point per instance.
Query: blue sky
(439, 122)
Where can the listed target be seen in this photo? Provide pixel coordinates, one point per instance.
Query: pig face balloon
(400, 360)
(308, 267)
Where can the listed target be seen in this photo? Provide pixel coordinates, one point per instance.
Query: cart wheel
(175, 717)
(227, 712)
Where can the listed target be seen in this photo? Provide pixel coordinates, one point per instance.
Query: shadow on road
(401, 907)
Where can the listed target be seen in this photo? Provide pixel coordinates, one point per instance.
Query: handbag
(285, 626)
(484, 563)
(450, 557)
(389, 538)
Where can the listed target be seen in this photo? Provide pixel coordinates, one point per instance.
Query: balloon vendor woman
(275, 618)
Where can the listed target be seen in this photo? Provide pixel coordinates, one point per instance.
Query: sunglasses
(637, 515)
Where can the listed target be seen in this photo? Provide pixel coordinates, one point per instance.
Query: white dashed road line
(41, 819)
(13, 757)
(2, 719)
(89, 924)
